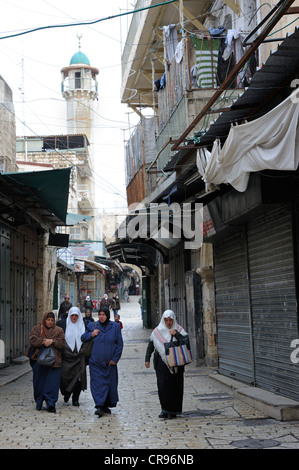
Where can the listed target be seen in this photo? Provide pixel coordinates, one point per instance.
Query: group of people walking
(68, 372)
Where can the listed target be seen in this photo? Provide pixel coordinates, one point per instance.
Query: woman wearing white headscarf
(73, 370)
(170, 381)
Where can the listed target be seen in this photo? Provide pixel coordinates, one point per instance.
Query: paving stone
(212, 418)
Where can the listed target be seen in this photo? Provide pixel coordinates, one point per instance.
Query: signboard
(208, 228)
(79, 266)
(80, 251)
(89, 278)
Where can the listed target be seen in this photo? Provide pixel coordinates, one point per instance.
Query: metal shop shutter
(4, 295)
(22, 314)
(232, 309)
(273, 302)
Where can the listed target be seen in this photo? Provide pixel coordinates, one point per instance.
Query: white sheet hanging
(270, 142)
(171, 39)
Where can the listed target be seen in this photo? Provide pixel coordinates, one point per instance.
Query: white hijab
(74, 331)
(161, 334)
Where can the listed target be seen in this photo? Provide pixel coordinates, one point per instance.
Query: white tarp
(270, 142)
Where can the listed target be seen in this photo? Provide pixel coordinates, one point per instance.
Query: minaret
(79, 88)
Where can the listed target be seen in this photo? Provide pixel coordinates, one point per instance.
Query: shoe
(76, 403)
(52, 409)
(163, 415)
(99, 412)
(171, 416)
(107, 410)
(66, 397)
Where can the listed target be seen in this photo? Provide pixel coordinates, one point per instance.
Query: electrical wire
(85, 23)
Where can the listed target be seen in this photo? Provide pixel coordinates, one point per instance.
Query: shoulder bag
(178, 352)
(46, 357)
(86, 348)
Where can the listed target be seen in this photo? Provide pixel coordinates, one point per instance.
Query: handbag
(46, 357)
(178, 352)
(86, 348)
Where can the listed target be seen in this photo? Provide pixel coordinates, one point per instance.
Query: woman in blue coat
(106, 352)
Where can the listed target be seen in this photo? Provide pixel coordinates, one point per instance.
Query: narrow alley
(212, 417)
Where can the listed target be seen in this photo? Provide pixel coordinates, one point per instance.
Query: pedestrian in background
(88, 302)
(115, 303)
(46, 380)
(88, 317)
(117, 320)
(106, 352)
(73, 369)
(105, 302)
(64, 307)
(141, 308)
(170, 380)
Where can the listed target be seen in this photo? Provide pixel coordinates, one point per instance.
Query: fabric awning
(43, 192)
(98, 266)
(73, 219)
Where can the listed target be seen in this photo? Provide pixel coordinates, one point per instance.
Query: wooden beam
(191, 18)
(235, 6)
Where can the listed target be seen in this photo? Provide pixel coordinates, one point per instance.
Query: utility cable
(86, 23)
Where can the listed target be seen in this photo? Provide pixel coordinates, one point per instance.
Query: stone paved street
(212, 417)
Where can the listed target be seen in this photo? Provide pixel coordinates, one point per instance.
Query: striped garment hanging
(206, 53)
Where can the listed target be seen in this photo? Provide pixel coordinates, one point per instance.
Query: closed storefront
(4, 295)
(273, 301)
(233, 309)
(22, 308)
(23, 264)
(256, 304)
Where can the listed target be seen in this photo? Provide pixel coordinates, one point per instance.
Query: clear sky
(31, 65)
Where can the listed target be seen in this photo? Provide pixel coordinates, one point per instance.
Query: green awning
(73, 219)
(44, 191)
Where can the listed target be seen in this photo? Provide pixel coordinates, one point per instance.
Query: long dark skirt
(103, 384)
(170, 388)
(46, 381)
(73, 373)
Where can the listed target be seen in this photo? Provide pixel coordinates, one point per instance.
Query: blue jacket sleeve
(87, 334)
(118, 344)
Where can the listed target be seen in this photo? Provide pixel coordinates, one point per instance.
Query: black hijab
(106, 311)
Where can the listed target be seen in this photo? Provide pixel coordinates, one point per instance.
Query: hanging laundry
(231, 35)
(216, 31)
(171, 41)
(157, 83)
(193, 75)
(206, 52)
(160, 82)
(269, 142)
(224, 67)
(179, 51)
(246, 73)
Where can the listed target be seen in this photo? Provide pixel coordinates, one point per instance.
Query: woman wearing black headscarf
(106, 352)
(46, 380)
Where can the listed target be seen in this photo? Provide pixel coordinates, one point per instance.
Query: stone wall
(7, 129)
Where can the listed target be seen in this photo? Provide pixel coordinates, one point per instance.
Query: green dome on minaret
(79, 57)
